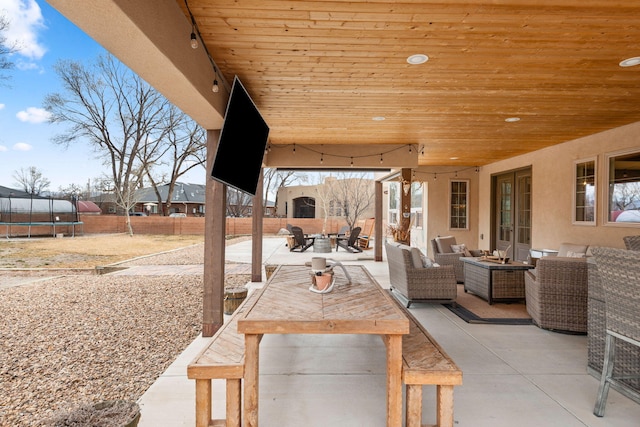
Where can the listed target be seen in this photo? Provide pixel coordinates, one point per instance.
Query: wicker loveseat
(413, 281)
(444, 254)
(556, 292)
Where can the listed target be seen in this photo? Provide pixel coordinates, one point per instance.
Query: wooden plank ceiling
(321, 71)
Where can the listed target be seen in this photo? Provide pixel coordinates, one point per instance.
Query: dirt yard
(86, 251)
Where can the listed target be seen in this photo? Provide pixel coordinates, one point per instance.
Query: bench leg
(234, 398)
(445, 405)
(413, 413)
(203, 402)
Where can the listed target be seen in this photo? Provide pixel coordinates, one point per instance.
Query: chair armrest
(476, 252)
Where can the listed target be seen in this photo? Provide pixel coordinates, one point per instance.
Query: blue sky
(44, 37)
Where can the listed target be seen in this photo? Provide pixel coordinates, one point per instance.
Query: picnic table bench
(424, 362)
(222, 358)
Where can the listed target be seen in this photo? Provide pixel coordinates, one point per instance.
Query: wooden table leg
(394, 380)
(251, 375)
(203, 402)
(445, 405)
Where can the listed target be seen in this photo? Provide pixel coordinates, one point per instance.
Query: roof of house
(182, 193)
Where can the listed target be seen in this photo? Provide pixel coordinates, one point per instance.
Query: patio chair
(619, 271)
(632, 243)
(444, 254)
(301, 242)
(349, 243)
(365, 239)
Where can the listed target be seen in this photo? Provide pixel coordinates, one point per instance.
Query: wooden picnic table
(285, 305)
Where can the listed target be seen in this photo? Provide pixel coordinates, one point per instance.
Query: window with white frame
(458, 205)
(394, 202)
(584, 202)
(416, 204)
(623, 204)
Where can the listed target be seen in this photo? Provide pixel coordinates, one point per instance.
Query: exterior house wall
(552, 190)
(287, 195)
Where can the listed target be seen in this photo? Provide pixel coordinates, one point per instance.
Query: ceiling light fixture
(512, 119)
(377, 118)
(630, 62)
(417, 59)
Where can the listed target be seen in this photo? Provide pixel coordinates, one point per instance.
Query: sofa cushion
(444, 244)
(577, 251)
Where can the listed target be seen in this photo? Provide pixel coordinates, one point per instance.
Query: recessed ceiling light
(512, 119)
(377, 118)
(417, 59)
(630, 62)
(454, 158)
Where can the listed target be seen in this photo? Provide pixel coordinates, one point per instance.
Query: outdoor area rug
(473, 309)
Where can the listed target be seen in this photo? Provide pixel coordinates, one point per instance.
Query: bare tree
(238, 203)
(31, 180)
(118, 113)
(354, 193)
(5, 49)
(182, 149)
(275, 179)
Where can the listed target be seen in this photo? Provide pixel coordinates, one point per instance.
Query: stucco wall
(552, 188)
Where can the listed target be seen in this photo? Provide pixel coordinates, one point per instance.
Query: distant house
(187, 199)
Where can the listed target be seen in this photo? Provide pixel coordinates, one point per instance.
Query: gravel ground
(83, 339)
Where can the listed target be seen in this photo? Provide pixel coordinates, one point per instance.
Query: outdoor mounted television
(242, 142)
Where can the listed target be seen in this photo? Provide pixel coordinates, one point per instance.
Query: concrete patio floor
(513, 375)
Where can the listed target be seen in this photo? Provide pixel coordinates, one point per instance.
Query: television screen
(242, 142)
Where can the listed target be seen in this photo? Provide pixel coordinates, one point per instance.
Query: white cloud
(3, 148)
(22, 146)
(2, 106)
(25, 20)
(33, 115)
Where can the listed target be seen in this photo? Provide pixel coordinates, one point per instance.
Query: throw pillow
(461, 248)
(426, 261)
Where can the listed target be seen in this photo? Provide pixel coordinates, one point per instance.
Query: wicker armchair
(443, 254)
(619, 271)
(556, 294)
(632, 243)
(627, 355)
(414, 282)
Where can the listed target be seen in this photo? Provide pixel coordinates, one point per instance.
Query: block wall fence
(104, 224)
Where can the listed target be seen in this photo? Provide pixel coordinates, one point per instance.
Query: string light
(435, 176)
(194, 40)
(352, 162)
(195, 35)
(294, 148)
(322, 158)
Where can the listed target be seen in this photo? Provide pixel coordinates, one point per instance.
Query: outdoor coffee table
(494, 281)
(286, 306)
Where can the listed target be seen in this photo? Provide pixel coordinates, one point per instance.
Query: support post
(257, 213)
(377, 241)
(214, 245)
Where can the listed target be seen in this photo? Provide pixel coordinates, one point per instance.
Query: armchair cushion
(444, 244)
